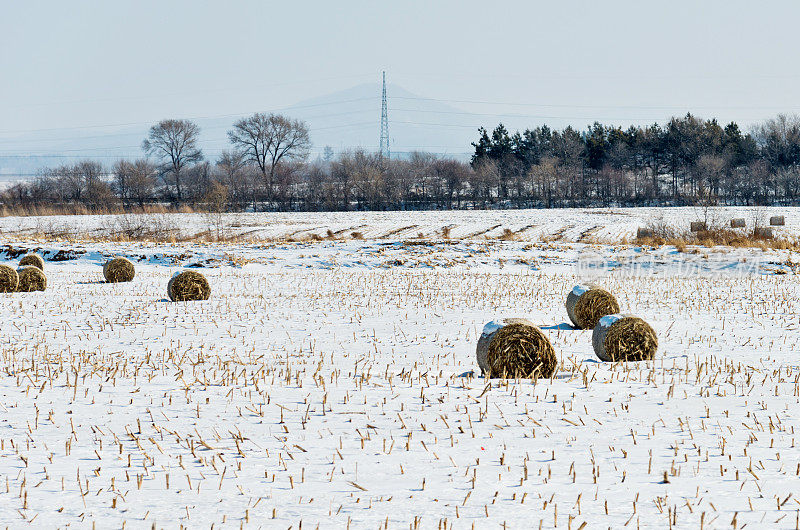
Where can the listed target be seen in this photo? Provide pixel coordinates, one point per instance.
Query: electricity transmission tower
(384, 150)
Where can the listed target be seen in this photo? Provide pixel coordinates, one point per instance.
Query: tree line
(688, 160)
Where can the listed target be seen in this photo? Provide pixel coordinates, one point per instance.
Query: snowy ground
(329, 383)
(570, 225)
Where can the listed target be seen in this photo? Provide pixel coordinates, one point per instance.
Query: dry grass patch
(757, 237)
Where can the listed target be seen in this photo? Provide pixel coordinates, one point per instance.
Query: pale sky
(80, 65)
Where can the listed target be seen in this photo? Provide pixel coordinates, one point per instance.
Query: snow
(491, 327)
(578, 290)
(329, 382)
(608, 320)
(607, 225)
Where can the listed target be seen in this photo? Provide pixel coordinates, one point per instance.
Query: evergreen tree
(481, 147)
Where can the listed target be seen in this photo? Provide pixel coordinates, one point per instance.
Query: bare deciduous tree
(483, 180)
(81, 182)
(686, 161)
(174, 142)
(451, 176)
(216, 200)
(268, 139)
(544, 176)
(135, 181)
(231, 170)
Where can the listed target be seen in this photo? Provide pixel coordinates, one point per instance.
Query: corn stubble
(343, 397)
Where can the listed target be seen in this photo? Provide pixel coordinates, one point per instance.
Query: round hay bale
(586, 304)
(489, 331)
(188, 285)
(777, 220)
(624, 338)
(32, 259)
(572, 299)
(9, 279)
(514, 347)
(31, 279)
(118, 270)
(761, 232)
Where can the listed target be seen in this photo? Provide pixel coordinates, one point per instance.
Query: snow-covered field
(331, 383)
(571, 225)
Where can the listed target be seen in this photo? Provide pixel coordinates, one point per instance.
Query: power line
(572, 106)
(627, 75)
(204, 128)
(414, 98)
(346, 113)
(384, 143)
(185, 93)
(237, 115)
(50, 153)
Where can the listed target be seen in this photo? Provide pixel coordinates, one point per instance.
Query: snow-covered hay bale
(489, 331)
(697, 226)
(738, 223)
(515, 347)
(777, 220)
(587, 304)
(31, 279)
(572, 299)
(762, 232)
(32, 259)
(188, 285)
(9, 279)
(624, 338)
(118, 270)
